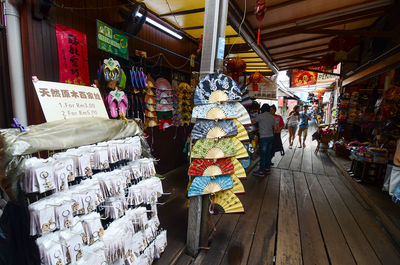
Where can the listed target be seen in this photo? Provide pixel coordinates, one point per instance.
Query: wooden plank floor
(305, 212)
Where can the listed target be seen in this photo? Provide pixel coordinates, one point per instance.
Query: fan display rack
(96, 204)
(218, 144)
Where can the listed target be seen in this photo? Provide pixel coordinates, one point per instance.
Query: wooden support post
(215, 18)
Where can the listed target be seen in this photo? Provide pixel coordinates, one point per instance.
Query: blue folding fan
(215, 111)
(210, 185)
(210, 129)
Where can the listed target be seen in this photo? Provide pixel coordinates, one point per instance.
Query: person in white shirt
(292, 122)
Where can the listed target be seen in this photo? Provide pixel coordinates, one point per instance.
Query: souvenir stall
(368, 121)
(218, 156)
(156, 104)
(92, 194)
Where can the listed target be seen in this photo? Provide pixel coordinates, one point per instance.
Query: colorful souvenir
(242, 115)
(211, 149)
(211, 168)
(226, 202)
(209, 185)
(211, 129)
(215, 111)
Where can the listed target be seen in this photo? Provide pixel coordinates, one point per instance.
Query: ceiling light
(161, 27)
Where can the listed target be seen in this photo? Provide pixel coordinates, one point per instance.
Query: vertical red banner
(72, 56)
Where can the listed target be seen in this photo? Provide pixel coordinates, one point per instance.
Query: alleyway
(305, 212)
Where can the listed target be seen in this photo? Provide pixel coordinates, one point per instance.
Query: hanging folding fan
(151, 122)
(151, 107)
(242, 134)
(226, 202)
(216, 88)
(215, 111)
(209, 185)
(239, 170)
(134, 17)
(211, 149)
(238, 187)
(241, 151)
(150, 100)
(207, 167)
(150, 114)
(149, 91)
(242, 115)
(163, 84)
(211, 129)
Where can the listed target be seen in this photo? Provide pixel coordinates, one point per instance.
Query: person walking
(266, 127)
(292, 123)
(279, 124)
(303, 125)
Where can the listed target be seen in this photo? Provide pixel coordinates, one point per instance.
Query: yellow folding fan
(238, 187)
(242, 134)
(226, 202)
(239, 170)
(241, 151)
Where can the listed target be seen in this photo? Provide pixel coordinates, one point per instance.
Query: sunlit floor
(305, 212)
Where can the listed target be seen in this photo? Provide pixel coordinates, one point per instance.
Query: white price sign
(61, 101)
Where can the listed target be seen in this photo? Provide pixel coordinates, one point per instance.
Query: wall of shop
(41, 59)
(40, 44)
(5, 93)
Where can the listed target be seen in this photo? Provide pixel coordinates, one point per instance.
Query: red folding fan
(207, 167)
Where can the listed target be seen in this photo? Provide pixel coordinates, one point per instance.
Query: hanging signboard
(72, 56)
(303, 78)
(281, 101)
(61, 101)
(112, 40)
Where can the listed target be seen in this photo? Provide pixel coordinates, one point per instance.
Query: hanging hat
(163, 84)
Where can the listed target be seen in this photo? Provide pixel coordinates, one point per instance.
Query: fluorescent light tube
(161, 27)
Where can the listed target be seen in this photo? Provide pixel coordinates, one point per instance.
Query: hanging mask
(111, 70)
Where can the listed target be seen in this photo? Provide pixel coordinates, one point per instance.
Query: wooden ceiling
(294, 33)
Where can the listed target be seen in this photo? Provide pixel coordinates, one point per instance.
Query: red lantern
(259, 10)
(255, 79)
(237, 67)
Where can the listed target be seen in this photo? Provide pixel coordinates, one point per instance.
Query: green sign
(111, 40)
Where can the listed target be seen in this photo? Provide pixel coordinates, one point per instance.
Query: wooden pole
(215, 18)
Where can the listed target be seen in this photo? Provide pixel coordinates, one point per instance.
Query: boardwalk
(305, 212)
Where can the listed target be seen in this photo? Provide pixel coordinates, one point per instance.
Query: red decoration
(237, 67)
(255, 79)
(303, 78)
(259, 10)
(72, 56)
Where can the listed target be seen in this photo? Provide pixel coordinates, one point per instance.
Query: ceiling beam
(299, 49)
(194, 27)
(303, 54)
(232, 36)
(300, 58)
(332, 15)
(276, 6)
(346, 19)
(356, 32)
(297, 42)
(237, 48)
(282, 68)
(347, 15)
(184, 12)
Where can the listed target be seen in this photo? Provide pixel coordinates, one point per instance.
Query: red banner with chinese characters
(303, 78)
(72, 56)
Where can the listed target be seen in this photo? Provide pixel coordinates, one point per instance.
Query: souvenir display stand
(368, 121)
(93, 200)
(218, 151)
